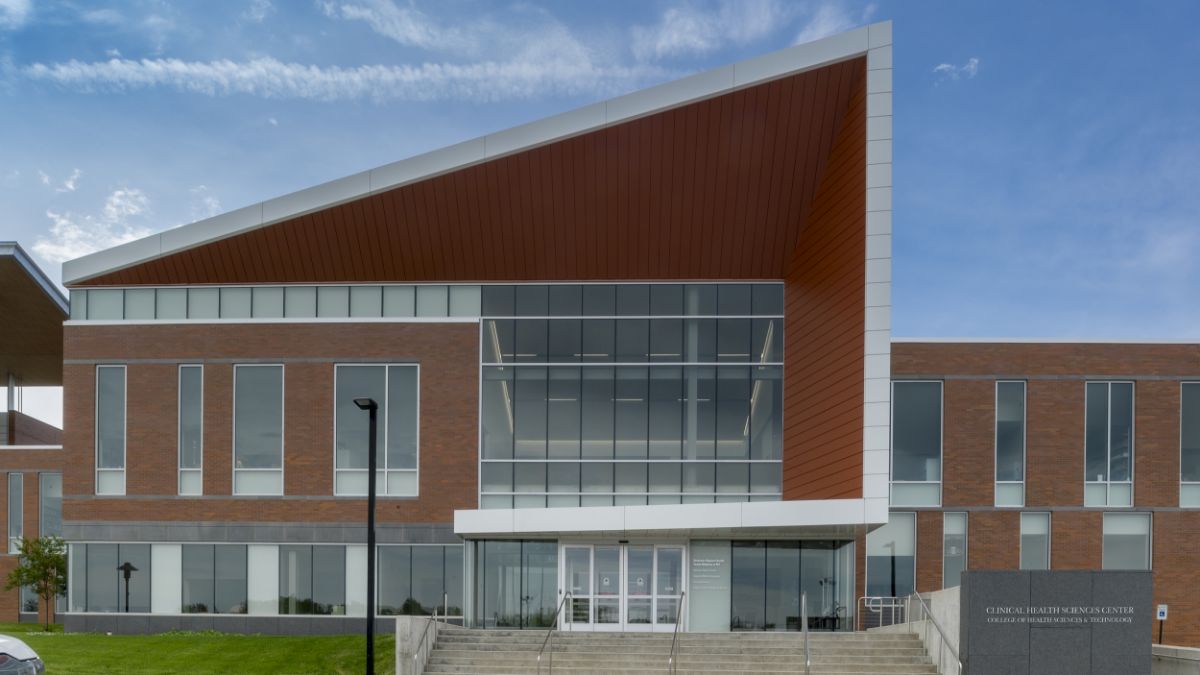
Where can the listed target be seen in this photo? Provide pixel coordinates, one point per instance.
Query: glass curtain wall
(516, 584)
(602, 395)
(767, 579)
(420, 579)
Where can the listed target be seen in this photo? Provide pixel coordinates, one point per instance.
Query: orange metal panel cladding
(716, 189)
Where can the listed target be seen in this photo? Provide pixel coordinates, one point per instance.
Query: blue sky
(1046, 171)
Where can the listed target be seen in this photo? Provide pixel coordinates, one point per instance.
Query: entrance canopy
(31, 343)
(827, 518)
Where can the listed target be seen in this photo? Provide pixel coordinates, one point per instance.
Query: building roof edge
(700, 86)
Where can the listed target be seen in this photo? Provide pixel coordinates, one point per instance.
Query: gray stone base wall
(141, 624)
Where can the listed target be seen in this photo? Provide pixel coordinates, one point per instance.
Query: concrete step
(446, 655)
(790, 669)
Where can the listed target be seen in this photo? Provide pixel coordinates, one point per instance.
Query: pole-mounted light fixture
(372, 409)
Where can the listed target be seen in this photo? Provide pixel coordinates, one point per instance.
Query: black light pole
(892, 545)
(127, 569)
(372, 408)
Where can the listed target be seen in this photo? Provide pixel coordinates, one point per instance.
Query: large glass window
(97, 583)
(419, 579)
(891, 557)
(954, 548)
(515, 583)
(1108, 444)
(50, 505)
(191, 430)
(1010, 443)
(1035, 541)
(916, 443)
(686, 375)
(214, 578)
(16, 511)
(110, 430)
(312, 580)
(395, 389)
(258, 430)
(1127, 541)
(1189, 444)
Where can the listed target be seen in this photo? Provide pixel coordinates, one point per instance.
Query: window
(312, 580)
(1010, 443)
(214, 579)
(395, 389)
(257, 430)
(110, 430)
(98, 586)
(954, 548)
(50, 505)
(16, 512)
(621, 394)
(420, 579)
(1127, 541)
(1108, 444)
(891, 557)
(191, 430)
(1035, 541)
(1189, 444)
(916, 443)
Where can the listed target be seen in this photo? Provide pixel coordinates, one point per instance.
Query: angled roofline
(1045, 340)
(12, 248)
(723, 80)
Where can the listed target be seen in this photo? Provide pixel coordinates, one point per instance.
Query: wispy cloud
(257, 11)
(69, 184)
(107, 16)
(14, 13)
(550, 66)
(949, 71)
(693, 29)
(42, 176)
(410, 26)
(73, 235)
(204, 203)
(829, 18)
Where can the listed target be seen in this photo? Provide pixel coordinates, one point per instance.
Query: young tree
(42, 567)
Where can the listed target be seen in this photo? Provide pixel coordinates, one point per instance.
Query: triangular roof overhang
(31, 344)
(705, 177)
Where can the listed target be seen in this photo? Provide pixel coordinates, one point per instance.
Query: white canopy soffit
(821, 518)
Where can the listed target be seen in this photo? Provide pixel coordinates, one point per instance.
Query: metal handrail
(550, 634)
(804, 630)
(945, 644)
(428, 624)
(876, 604)
(672, 664)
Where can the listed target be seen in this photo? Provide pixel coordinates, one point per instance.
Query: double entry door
(622, 587)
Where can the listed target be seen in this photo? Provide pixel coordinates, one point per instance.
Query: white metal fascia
(691, 519)
(791, 60)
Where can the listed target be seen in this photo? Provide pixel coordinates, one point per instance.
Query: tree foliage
(42, 568)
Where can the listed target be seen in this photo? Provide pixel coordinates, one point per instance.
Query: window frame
(282, 434)
(179, 431)
(42, 475)
(941, 443)
(1149, 517)
(1024, 444)
(1108, 482)
(1183, 384)
(14, 541)
(381, 441)
(96, 429)
(966, 543)
(1049, 538)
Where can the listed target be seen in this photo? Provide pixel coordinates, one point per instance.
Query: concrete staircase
(495, 652)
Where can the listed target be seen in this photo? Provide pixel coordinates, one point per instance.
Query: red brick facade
(448, 355)
(1056, 375)
(29, 463)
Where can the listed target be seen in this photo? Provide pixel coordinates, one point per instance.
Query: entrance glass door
(625, 587)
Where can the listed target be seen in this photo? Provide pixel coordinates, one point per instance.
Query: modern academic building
(639, 353)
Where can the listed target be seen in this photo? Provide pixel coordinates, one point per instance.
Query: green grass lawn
(207, 652)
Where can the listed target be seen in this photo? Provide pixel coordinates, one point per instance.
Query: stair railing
(672, 661)
(945, 644)
(425, 633)
(549, 639)
(804, 630)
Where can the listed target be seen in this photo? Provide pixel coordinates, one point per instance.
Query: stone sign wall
(1056, 622)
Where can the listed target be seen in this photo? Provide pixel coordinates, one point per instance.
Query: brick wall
(447, 353)
(1055, 398)
(29, 463)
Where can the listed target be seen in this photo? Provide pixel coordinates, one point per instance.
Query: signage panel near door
(709, 579)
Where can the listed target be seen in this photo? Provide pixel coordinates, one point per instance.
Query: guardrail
(944, 643)
(880, 610)
(425, 633)
(804, 629)
(672, 662)
(549, 639)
